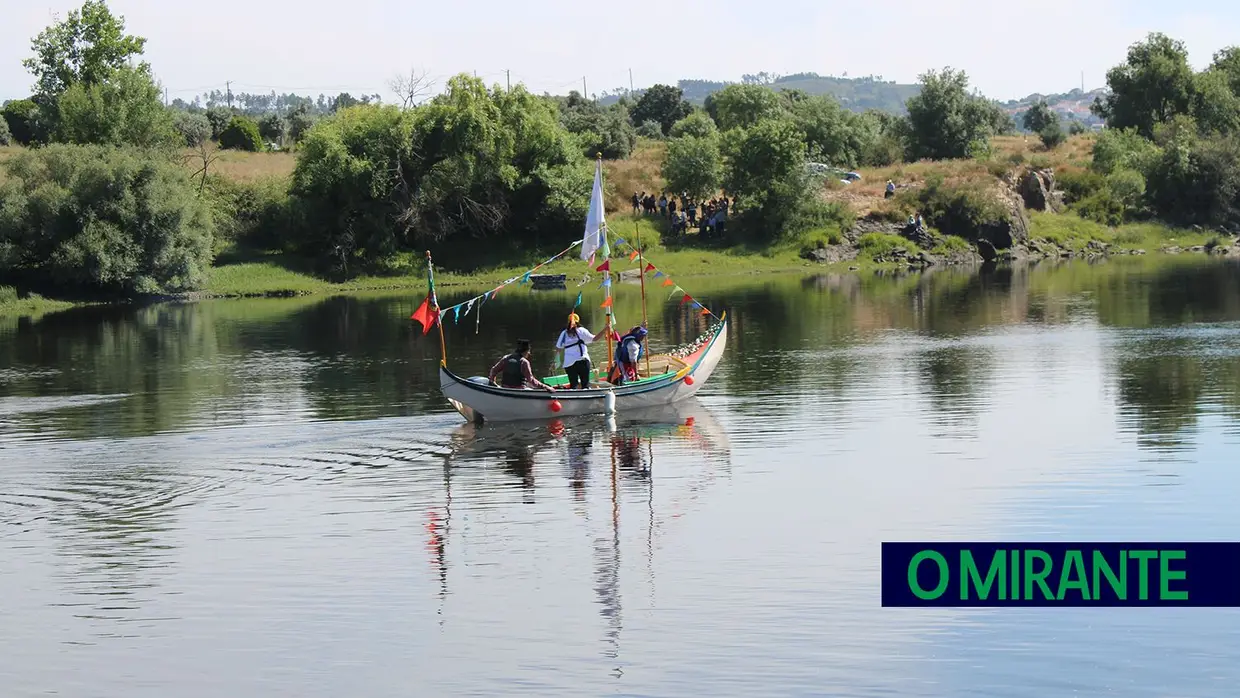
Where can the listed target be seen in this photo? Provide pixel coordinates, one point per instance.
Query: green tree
(195, 129)
(272, 128)
(1040, 116)
(741, 106)
(343, 101)
(832, 134)
(756, 158)
(26, 122)
(650, 129)
(103, 219)
(241, 134)
(6, 136)
(692, 165)
(600, 130)
(697, 124)
(945, 120)
(299, 123)
(663, 104)
(219, 118)
(1216, 107)
(124, 108)
(86, 47)
(1153, 85)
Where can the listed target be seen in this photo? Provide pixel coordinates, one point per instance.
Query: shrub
(241, 134)
(1102, 207)
(6, 136)
(194, 128)
(959, 210)
(1076, 128)
(650, 129)
(24, 121)
(697, 124)
(1117, 149)
(1052, 136)
(1078, 185)
(882, 245)
(255, 213)
(692, 165)
(103, 219)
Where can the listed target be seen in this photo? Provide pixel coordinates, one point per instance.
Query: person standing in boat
(573, 340)
(515, 370)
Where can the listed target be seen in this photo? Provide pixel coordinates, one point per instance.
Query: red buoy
(555, 406)
(688, 380)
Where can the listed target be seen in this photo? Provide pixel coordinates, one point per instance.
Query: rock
(853, 268)
(1197, 248)
(987, 250)
(1172, 250)
(1222, 250)
(927, 258)
(831, 254)
(1136, 251)
(1037, 188)
(1098, 245)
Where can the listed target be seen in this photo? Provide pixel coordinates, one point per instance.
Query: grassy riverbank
(12, 303)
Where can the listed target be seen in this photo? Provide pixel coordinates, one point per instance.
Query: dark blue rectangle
(1210, 574)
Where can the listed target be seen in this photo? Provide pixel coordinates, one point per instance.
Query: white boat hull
(485, 402)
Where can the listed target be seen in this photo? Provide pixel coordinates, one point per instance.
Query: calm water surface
(270, 498)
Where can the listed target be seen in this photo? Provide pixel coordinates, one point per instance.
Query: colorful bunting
(605, 266)
(649, 267)
(686, 299)
(425, 315)
(578, 303)
(619, 242)
(526, 278)
(657, 274)
(705, 311)
(606, 303)
(667, 281)
(633, 255)
(606, 282)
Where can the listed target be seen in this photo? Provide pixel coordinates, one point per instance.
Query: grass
(876, 245)
(12, 303)
(641, 171)
(951, 244)
(1072, 232)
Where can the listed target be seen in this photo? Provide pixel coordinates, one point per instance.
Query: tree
(1152, 86)
(343, 101)
(25, 121)
(697, 124)
(741, 106)
(692, 165)
(123, 108)
(272, 128)
(1040, 116)
(1215, 106)
(299, 123)
(85, 48)
(103, 219)
(194, 128)
(219, 118)
(241, 134)
(663, 104)
(412, 89)
(6, 136)
(945, 121)
(756, 158)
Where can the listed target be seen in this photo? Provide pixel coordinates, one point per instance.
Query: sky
(1008, 49)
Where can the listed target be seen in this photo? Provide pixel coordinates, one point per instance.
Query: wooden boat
(669, 379)
(661, 380)
(548, 281)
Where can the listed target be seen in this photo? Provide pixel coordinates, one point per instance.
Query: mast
(641, 266)
(430, 281)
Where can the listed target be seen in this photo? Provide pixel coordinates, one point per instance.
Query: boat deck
(660, 365)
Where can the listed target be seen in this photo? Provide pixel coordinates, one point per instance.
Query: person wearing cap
(515, 371)
(628, 352)
(572, 342)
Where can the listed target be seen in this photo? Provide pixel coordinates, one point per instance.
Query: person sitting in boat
(573, 340)
(515, 370)
(628, 351)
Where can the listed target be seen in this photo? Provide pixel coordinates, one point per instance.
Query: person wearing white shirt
(572, 342)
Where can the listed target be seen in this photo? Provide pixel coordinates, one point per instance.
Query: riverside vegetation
(106, 193)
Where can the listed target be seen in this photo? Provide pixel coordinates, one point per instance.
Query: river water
(270, 498)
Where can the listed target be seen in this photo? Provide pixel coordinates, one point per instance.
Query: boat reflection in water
(622, 450)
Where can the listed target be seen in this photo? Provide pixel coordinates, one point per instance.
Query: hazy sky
(1009, 49)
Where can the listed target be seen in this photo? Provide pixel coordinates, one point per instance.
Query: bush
(241, 134)
(1078, 185)
(194, 128)
(1076, 128)
(1052, 136)
(1102, 207)
(692, 165)
(24, 121)
(6, 136)
(1117, 149)
(650, 129)
(697, 124)
(959, 210)
(882, 245)
(102, 219)
(254, 213)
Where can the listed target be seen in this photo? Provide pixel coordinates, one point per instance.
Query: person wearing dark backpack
(572, 342)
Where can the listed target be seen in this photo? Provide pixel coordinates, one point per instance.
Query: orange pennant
(667, 281)
(705, 311)
(633, 255)
(606, 303)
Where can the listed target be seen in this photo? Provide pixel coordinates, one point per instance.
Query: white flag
(595, 238)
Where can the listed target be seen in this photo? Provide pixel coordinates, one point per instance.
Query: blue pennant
(526, 277)
(619, 242)
(578, 303)
(657, 274)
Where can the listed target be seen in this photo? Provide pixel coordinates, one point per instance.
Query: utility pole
(228, 88)
(508, 79)
(165, 96)
(584, 94)
(630, 81)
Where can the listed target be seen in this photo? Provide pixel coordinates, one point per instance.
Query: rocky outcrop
(1037, 189)
(831, 254)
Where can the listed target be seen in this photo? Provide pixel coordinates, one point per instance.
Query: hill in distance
(872, 92)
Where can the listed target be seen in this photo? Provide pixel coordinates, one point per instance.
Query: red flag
(606, 303)
(667, 281)
(686, 299)
(649, 267)
(605, 266)
(426, 315)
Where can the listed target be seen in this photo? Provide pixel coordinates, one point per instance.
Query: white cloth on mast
(594, 241)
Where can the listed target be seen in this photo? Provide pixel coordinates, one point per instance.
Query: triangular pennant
(578, 303)
(649, 267)
(705, 311)
(456, 314)
(619, 242)
(606, 303)
(606, 282)
(686, 299)
(667, 281)
(605, 266)
(657, 274)
(633, 255)
(525, 278)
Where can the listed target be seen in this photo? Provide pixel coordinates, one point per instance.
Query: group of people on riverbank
(515, 370)
(708, 217)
